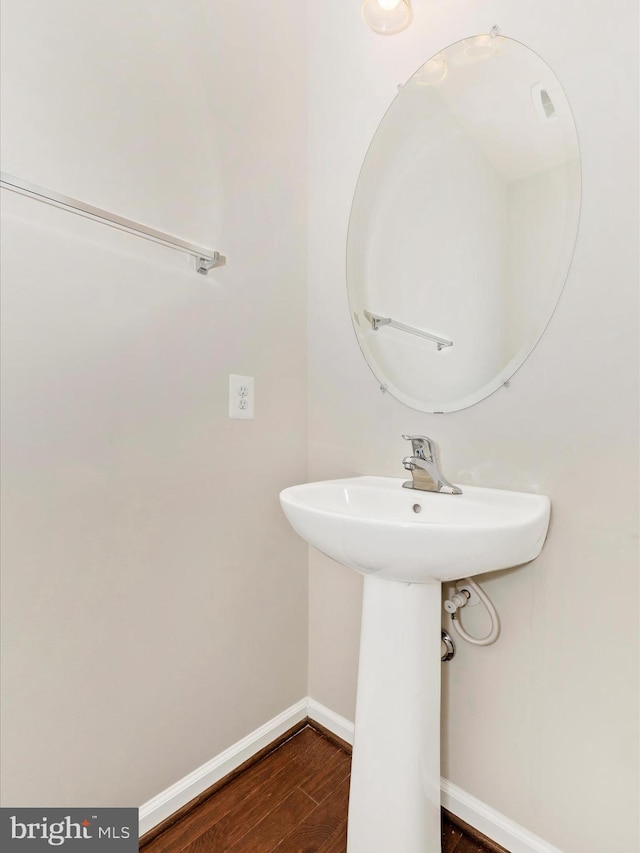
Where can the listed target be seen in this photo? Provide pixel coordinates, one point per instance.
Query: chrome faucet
(424, 464)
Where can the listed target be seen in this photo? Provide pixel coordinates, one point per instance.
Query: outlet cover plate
(241, 397)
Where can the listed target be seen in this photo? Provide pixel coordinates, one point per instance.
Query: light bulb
(387, 17)
(481, 47)
(432, 72)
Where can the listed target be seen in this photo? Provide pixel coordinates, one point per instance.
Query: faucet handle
(419, 443)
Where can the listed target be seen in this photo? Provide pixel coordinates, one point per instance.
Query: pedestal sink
(406, 543)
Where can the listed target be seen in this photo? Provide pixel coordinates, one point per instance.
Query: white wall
(543, 726)
(155, 601)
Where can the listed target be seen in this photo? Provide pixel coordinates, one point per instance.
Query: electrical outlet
(241, 397)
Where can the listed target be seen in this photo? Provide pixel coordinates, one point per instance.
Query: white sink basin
(375, 526)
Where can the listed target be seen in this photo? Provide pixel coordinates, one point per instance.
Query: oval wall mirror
(463, 223)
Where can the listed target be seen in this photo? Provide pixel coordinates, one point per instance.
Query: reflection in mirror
(463, 223)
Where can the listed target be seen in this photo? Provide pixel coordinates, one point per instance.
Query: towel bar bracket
(203, 265)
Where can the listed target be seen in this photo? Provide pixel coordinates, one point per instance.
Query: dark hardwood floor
(292, 800)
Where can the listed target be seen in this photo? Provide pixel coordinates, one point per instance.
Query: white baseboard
(486, 820)
(162, 806)
(340, 726)
(490, 822)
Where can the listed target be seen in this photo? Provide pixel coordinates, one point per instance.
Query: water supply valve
(457, 600)
(469, 593)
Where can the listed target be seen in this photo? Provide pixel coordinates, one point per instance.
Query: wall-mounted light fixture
(387, 16)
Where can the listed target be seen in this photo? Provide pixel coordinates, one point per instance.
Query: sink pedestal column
(394, 803)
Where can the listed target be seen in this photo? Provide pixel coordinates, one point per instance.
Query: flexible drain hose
(492, 636)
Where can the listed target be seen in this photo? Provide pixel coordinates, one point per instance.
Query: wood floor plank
(337, 842)
(296, 754)
(335, 771)
(469, 845)
(451, 835)
(320, 824)
(265, 836)
(249, 812)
